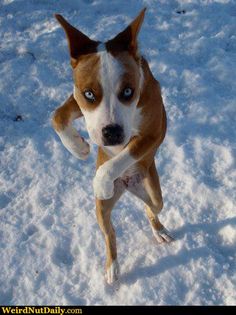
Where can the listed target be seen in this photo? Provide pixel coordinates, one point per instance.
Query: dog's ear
(127, 39)
(79, 43)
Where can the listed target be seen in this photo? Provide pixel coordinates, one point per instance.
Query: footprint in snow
(61, 255)
(48, 221)
(29, 231)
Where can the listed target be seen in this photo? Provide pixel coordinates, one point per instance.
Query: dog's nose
(113, 134)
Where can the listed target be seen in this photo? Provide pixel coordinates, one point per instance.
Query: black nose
(112, 134)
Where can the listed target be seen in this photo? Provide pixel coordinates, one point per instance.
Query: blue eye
(89, 96)
(127, 92)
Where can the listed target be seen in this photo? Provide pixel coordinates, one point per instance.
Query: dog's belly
(132, 180)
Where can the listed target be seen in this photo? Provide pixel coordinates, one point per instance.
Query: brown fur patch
(154, 119)
(131, 74)
(86, 77)
(62, 115)
(127, 39)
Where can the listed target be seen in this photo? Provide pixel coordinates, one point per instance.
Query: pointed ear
(127, 40)
(79, 43)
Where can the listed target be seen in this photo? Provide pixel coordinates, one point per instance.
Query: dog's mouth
(113, 142)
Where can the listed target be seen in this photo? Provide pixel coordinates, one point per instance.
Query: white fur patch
(110, 72)
(162, 236)
(74, 143)
(121, 163)
(108, 172)
(113, 273)
(113, 150)
(103, 183)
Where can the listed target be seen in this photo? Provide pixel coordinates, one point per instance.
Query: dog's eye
(127, 93)
(89, 96)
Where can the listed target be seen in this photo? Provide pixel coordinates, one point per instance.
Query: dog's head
(107, 82)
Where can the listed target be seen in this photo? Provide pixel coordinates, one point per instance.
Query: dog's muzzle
(112, 135)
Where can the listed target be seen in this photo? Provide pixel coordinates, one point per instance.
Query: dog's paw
(102, 184)
(112, 273)
(74, 143)
(162, 236)
(80, 148)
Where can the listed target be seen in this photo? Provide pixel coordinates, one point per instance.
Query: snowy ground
(52, 251)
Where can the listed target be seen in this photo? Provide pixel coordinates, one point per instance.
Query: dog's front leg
(108, 172)
(62, 123)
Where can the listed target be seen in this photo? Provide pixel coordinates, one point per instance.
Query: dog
(116, 92)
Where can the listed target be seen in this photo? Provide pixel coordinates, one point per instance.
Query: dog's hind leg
(152, 186)
(103, 211)
(149, 190)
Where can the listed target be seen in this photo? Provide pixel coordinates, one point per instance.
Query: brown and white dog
(121, 102)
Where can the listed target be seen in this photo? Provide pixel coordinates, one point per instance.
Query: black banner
(157, 310)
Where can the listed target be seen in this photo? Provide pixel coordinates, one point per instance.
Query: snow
(52, 251)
